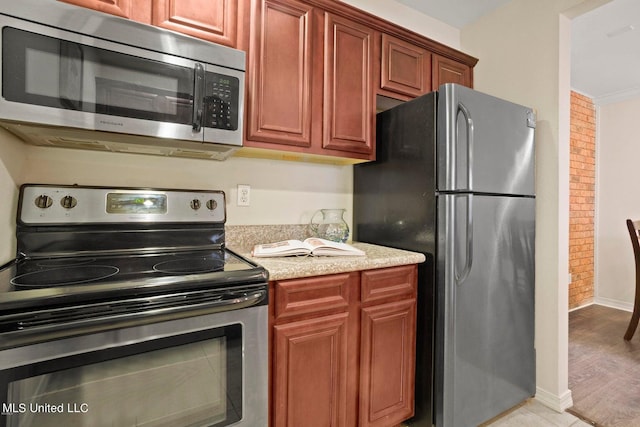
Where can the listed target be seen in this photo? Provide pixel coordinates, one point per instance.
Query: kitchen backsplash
(244, 237)
(282, 192)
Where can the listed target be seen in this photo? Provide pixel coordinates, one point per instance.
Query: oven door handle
(33, 327)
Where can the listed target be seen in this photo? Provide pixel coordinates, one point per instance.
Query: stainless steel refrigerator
(454, 179)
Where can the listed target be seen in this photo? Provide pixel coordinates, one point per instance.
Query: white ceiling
(605, 54)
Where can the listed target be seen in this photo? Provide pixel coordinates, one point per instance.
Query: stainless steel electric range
(124, 307)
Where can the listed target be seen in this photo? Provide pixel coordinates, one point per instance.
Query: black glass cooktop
(111, 273)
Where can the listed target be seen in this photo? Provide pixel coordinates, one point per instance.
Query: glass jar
(330, 225)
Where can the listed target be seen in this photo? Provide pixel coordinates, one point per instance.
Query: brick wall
(582, 194)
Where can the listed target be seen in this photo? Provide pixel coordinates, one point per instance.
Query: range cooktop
(78, 244)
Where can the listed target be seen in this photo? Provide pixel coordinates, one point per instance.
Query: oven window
(51, 72)
(189, 380)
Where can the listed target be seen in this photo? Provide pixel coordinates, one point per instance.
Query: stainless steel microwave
(74, 77)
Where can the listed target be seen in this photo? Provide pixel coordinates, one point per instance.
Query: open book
(313, 246)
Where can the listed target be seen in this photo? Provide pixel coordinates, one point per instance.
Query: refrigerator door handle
(469, 124)
(469, 242)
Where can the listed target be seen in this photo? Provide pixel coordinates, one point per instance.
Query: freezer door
(394, 197)
(485, 357)
(484, 144)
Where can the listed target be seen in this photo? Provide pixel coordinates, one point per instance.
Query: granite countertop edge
(241, 239)
(281, 268)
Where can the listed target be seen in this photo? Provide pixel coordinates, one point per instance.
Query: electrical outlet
(244, 195)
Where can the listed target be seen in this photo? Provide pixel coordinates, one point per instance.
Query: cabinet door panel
(384, 284)
(406, 68)
(313, 295)
(310, 372)
(446, 70)
(280, 69)
(387, 363)
(348, 92)
(114, 7)
(213, 20)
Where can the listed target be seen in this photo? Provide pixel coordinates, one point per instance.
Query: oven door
(206, 370)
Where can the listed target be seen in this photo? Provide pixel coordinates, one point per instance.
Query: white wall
(415, 21)
(617, 198)
(524, 52)
(281, 192)
(11, 165)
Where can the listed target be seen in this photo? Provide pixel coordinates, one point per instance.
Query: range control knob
(43, 201)
(211, 204)
(68, 202)
(195, 204)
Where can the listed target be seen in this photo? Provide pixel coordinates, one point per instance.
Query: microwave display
(53, 72)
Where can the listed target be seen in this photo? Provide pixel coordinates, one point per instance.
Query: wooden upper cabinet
(310, 87)
(404, 67)
(280, 73)
(447, 70)
(213, 20)
(349, 105)
(408, 70)
(131, 9)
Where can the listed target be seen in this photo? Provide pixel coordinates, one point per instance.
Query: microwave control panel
(221, 101)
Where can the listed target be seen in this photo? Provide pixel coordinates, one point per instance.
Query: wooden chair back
(634, 228)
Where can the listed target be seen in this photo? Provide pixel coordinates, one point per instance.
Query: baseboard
(555, 402)
(612, 303)
(581, 306)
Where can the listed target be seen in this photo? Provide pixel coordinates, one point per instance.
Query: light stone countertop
(280, 268)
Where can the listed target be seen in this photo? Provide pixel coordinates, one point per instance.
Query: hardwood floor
(604, 369)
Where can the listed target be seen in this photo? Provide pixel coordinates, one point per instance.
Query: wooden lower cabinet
(310, 379)
(387, 363)
(343, 349)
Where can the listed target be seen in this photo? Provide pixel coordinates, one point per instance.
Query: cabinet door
(213, 20)
(349, 107)
(310, 372)
(446, 70)
(405, 68)
(138, 10)
(280, 72)
(387, 363)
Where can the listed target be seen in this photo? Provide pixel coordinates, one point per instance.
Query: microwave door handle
(198, 96)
